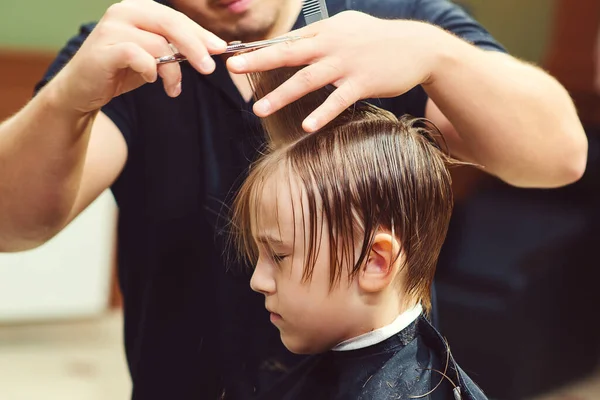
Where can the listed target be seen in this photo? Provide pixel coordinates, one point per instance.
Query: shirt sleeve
(456, 20)
(64, 56)
(119, 110)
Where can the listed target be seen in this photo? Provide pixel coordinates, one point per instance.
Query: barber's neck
(284, 24)
(286, 21)
(288, 17)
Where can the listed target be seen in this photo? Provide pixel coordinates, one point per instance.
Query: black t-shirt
(192, 324)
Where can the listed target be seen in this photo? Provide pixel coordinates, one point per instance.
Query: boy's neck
(388, 307)
(398, 323)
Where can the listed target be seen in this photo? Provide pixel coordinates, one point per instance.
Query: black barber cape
(193, 326)
(397, 368)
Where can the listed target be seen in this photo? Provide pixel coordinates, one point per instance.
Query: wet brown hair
(364, 172)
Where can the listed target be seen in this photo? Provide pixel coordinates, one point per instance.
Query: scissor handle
(177, 57)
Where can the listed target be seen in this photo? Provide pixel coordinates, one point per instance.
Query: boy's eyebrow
(268, 239)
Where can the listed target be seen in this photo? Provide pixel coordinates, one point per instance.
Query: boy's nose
(262, 279)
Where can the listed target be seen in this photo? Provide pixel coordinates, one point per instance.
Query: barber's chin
(237, 6)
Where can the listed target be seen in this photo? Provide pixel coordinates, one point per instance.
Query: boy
(344, 227)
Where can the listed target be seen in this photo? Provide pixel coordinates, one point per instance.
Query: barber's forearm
(512, 118)
(42, 152)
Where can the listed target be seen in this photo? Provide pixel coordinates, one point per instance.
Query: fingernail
(311, 124)
(238, 62)
(177, 90)
(263, 107)
(217, 43)
(207, 64)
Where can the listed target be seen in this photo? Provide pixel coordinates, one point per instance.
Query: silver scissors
(233, 47)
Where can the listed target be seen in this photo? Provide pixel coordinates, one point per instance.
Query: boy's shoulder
(403, 366)
(415, 371)
(468, 389)
(410, 372)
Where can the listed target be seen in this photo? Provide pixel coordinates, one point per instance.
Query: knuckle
(174, 22)
(170, 73)
(352, 88)
(128, 51)
(351, 14)
(276, 99)
(180, 17)
(115, 10)
(317, 51)
(106, 28)
(286, 48)
(341, 99)
(169, 24)
(159, 46)
(334, 64)
(306, 77)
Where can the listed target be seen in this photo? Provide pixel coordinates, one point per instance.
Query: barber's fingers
(171, 76)
(132, 55)
(342, 98)
(193, 41)
(287, 54)
(158, 46)
(307, 80)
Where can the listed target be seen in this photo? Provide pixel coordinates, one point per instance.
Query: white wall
(69, 276)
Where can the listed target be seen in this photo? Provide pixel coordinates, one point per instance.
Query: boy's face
(311, 318)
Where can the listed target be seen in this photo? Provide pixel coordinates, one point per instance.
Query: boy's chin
(301, 347)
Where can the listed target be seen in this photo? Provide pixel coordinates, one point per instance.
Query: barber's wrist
(447, 55)
(52, 102)
(57, 99)
(427, 46)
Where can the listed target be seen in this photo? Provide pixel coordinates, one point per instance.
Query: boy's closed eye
(278, 258)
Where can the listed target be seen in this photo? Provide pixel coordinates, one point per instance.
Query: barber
(172, 141)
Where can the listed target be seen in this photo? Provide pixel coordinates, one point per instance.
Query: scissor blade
(233, 48)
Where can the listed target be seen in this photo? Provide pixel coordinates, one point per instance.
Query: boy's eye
(279, 257)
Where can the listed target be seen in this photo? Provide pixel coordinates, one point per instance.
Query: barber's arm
(510, 117)
(59, 152)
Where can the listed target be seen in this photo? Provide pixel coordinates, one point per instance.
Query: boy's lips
(274, 317)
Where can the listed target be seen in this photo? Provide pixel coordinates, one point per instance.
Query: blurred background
(519, 265)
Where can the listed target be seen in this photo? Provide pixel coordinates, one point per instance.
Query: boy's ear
(382, 264)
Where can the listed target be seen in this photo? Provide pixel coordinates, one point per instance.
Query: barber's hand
(119, 54)
(364, 57)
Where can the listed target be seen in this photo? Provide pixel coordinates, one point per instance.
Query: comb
(314, 10)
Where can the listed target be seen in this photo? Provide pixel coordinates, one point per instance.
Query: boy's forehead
(276, 197)
(279, 204)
